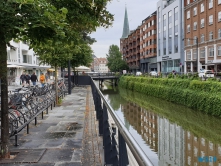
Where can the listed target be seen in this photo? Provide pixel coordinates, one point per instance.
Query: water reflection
(169, 134)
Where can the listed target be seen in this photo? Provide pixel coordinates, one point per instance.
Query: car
(206, 73)
(153, 73)
(138, 73)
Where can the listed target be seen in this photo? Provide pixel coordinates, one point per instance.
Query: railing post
(123, 156)
(114, 156)
(106, 138)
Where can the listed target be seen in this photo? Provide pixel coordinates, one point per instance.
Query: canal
(168, 133)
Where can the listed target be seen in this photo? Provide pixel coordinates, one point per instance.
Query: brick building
(202, 20)
(148, 44)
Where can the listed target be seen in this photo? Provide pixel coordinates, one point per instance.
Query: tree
(39, 21)
(36, 20)
(115, 62)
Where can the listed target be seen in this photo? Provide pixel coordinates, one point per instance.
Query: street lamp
(197, 45)
(69, 77)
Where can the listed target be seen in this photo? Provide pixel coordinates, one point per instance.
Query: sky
(137, 10)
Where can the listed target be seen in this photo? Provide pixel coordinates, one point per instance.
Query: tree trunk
(4, 100)
(56, 84)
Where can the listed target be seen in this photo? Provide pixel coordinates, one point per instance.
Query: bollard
(51, 106)
(16, 139)
(35, 121)
(42, 114)
(28, 128)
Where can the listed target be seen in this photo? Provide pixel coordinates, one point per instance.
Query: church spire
(126, 29)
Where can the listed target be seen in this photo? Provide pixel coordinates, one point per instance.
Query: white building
(170, 52)
(20, 59)
(100, 65)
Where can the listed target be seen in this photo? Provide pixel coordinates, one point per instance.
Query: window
(210, 35)
(188, 55)
(211, 51)
(188, 42)
(219, 33)
(219, 2)
(202, 38)
(210, 4)
(188, 2)
(188, 14)
(202, 23)
(202, 53)
(194, 25)
(195, 40)
(194, 54)
(219, 50)
(202, 7)
(219, 16)
(210, 19)
(188, 28)
(195, 11)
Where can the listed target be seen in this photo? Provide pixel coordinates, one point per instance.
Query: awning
(82, 68)
(13, 66)
(51, 69)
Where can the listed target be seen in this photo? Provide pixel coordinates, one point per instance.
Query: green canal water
(168, 133)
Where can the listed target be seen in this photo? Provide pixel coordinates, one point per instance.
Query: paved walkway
(66, 136)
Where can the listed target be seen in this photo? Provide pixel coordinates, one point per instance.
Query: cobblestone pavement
(91, 142)
(66, 136)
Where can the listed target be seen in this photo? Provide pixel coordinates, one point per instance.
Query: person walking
(23, 79)
(34, 79)
(28, 78)
(42, 79)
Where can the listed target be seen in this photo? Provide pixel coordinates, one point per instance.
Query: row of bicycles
(26, 103)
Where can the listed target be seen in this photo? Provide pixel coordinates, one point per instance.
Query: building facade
(202, 35)
(100, 65)
(22, 59)
(148, 44)
(170, 44)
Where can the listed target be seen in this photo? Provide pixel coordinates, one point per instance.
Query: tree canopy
(115, 61)
(41, 21)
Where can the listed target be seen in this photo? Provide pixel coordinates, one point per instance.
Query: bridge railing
(116, 137)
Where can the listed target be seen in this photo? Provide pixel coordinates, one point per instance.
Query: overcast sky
(137, 11)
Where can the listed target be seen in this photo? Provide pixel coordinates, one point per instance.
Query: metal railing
(115, 149)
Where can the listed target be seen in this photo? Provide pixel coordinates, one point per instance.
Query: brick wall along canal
(168, 133)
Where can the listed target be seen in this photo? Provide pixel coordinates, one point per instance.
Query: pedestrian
(34, 78)
(46, 77)
(23, 79)
(42, 79)
(28, 78)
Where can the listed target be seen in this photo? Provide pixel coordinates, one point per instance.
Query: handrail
(138, 153)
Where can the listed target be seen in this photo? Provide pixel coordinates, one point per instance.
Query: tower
(126, 29)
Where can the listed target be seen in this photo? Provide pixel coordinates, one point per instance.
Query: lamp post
(69, 77)
(197, 45)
